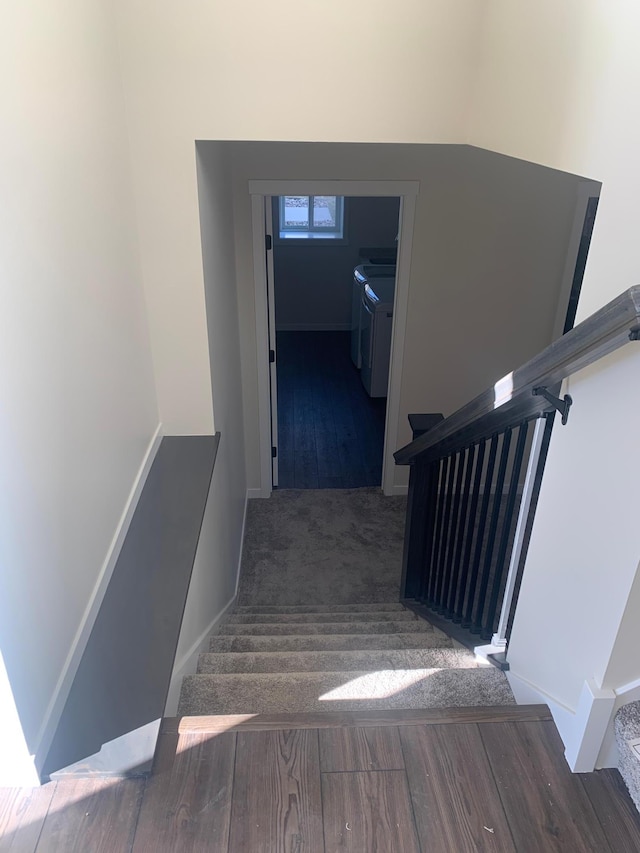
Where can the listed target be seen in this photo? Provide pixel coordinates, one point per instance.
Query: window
(311, 217)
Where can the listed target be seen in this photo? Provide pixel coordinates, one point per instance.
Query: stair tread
(328, 660)
(319, 608)
(319, 642)
(348, 627)
(321, 616)
(343, 690)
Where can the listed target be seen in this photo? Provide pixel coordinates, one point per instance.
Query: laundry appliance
(362, 275)
(375, 336)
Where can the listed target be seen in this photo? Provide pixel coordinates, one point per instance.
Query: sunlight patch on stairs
(378, 685)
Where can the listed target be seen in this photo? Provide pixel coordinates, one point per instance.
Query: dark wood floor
(330, 432)
(379, 782)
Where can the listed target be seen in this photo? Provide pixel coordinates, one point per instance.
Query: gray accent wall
(123, 678)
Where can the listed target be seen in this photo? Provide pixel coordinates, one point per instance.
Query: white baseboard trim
(582, 731)
(258, 493)
(399, 491)
(592, 717)
(313, 327)
(189, 661)
(60, 694)
(608, 756)
(527, 693)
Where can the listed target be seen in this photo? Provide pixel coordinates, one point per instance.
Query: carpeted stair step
(297, 692)
(328, 642)
(303, 618)
(350, 627)
(320, 608)
(334, 661)
(627, 728)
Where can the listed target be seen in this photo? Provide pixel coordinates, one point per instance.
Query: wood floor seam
(412, 807)
(495, 782)
(324, 840)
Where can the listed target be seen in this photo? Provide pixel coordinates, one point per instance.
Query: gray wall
(313, 282)
(489, 250)
(215, 571)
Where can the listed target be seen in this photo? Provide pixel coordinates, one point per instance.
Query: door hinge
(272, 356)
(267, 241)
(274, 452)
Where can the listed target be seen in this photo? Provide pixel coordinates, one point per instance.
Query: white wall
(556, 83)
(313, 283)
(78, 399)
(583, 555)
(489, 250)
(197, 71)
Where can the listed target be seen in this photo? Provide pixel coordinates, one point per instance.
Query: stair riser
(301, 692)
(321, 608)
(308, 618)
(320, 642)
(334, 661)
(349, 627)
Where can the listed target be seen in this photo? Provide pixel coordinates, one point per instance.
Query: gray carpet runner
(320, 627)
(287, 661)
(627, 726)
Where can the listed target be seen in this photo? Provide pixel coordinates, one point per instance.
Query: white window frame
(311, 234)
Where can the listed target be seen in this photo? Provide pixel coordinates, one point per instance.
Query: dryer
(362, 275)
(375, 338)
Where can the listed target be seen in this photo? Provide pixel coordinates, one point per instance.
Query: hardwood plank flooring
(374, 748)
(614, 807)
(330, 432)
(546, 805)
(188, 802)
(368, 812)
(419, 781)
(454, 794)
(276, 794)
(92, 814)
(22, 815)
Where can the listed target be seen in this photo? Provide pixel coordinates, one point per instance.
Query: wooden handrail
(603, 332)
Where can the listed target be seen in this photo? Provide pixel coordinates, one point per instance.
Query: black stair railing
(475, 479)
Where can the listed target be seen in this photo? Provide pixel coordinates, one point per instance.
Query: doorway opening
(334, 270)
(325, 422)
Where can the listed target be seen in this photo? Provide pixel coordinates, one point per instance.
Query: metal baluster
(469, 534)
(415, 533)
(531, 512)
(493, 529)
(455, 535)
(446, 533)
(430, 525)
(463, 524)
(507, 524)
(437, 536)
(482, 522)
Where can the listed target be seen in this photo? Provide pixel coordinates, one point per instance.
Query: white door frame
(271, 312)
(407, 191)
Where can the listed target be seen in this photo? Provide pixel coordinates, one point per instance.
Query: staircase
(309, 658)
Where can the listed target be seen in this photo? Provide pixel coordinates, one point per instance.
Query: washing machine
(362, 275)
(375, 336)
